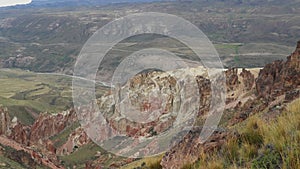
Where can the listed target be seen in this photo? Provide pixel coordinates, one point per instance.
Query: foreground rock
(190, 148)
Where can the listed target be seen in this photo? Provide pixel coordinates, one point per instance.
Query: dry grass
(149, 163)
(261, 144)
(284, 134)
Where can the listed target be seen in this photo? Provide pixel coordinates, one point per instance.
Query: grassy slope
(84, 154)
(27, 94)
(150, 162)
(63, 136)
(88, 153)
(262, 145)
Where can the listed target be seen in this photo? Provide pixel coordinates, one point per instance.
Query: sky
(13, 2)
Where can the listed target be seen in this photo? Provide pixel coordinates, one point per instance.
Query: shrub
(270, 159)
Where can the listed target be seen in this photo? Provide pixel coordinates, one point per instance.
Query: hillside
(155, 113)
(258, 101)
(46, 39)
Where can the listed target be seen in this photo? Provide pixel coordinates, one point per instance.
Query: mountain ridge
(75, 3)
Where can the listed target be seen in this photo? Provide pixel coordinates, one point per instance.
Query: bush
(270, 159)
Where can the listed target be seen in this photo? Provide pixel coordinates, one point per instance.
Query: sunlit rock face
(148, 104)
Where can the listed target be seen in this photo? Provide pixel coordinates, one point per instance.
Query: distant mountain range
(55, 3)
(48, 35)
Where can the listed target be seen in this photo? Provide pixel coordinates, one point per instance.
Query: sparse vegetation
(81, 156)
(260, 145)
(146, 163)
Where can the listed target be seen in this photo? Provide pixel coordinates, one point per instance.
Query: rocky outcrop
(13, 129)
(20, 133)
(76, 139)
(248, 79)
(188, 150)
(48, 125)
(232, 79)
(141, 113)
(250, 107)
(45, 126)
(279, 77)
(5, 122)
(204, 86)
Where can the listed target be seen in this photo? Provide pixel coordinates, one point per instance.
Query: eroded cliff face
(5, 122)
(280, 77)
(144, 113)
(232, 79)
(20, 133)
(248, 79)
(48, 125)
(22, 138)
(148, 104)
(13, 129)
(276, 84)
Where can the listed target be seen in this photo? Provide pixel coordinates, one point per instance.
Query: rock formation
(48, 125)
(189, 149)
(76, 139)
(5, 121)
(20, 133)
(232, 79)
(248, 79)
(204, 85)
(279, 77)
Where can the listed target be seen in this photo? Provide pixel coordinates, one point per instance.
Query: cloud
(13, 2)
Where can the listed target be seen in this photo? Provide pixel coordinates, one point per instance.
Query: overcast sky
(13, 2)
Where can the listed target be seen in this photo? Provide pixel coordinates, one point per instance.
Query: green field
(26, 94)
(87, 153)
